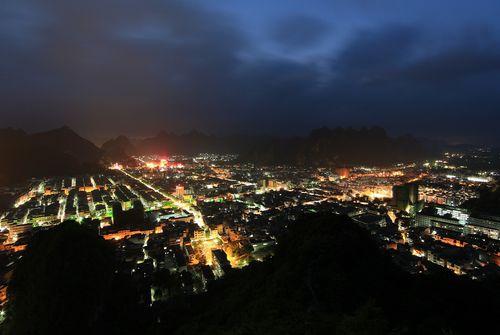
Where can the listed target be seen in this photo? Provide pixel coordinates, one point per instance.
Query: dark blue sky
(103, 67)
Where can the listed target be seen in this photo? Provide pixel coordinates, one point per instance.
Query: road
(198, 218)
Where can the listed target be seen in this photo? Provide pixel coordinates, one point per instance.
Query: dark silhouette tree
(488, 201)
(61, 283)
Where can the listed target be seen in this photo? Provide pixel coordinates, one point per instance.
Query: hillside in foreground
(328, 277)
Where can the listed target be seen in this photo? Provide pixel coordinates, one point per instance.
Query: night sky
(104, 67)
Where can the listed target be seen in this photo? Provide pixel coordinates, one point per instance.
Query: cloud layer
(140, 66)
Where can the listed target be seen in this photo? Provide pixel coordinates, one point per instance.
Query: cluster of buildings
(444, 237)
(180, 223)
(460, 220)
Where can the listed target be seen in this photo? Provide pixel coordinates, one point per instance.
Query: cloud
(372, 53)
(100, 62)
(299, 31)
(140, 66)
(455, 64)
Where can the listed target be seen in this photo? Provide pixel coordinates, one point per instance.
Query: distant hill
(119, 149)
(323, 146)
(172, 144)
(189, 143)
(344, 146)
(62, 151)
(55, 152)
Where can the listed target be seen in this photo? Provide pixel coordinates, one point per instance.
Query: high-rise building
(138, 211)
(405, 197)
(117, 212)
(220, 262)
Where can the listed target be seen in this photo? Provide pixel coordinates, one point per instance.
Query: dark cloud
(299, 31)
(394, 54)
(392, 74)
(109, 61)
(373, 53)
(140, 66)
(456, 64)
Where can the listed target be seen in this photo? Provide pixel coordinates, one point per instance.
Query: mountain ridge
(62, 151)
(58, 151)
(322, 146)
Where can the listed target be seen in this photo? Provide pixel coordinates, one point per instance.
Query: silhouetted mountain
(325, 146)
(170, 144)
(118, 149)
(194, 142)
(55, 152)
(66, 141)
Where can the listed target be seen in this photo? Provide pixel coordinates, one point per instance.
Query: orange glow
(392, 246)
(379, 192)
(3, 295)
(417, 252)
(343, 173)
(496, 259)
(126, 234)
(116, 166)
(450, 241)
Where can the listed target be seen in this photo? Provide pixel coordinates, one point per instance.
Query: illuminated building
(151, 165)
(179, 191)
(459, 220)
(456, 262)
(199, 234)
(271, 184)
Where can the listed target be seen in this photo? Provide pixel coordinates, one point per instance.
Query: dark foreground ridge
(65, 283)
(326, 277)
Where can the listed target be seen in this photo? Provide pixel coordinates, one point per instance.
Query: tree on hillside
(61, 282)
